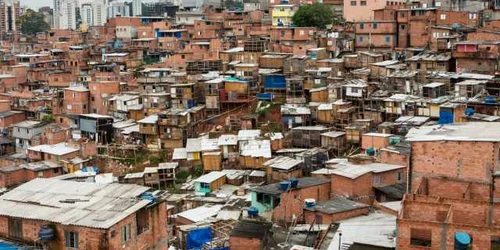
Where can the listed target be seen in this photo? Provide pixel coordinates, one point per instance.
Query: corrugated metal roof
(210, 177)
(352, 171)
(179, 154)
(200, 213)
(228, 140)
(282, 163)
(256, 148)
(86, 204)
(244, 135)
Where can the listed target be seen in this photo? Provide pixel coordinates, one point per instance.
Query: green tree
(32, 22)
(313, 15)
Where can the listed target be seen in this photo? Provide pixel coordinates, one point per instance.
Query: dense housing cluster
(224, 125)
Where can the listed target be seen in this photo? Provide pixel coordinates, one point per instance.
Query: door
(15, 228)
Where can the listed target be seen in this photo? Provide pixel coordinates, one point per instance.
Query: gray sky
(35, 4)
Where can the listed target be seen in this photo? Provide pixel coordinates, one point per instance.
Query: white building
(137, 8)
(65, 14)
(87, 14)
(99, 12)
(117, 8)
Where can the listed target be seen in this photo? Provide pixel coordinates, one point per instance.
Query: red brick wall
(11, 178)
(292, 203)
(97, 89)
(90, 238)
(390, 177)
(330, 218)
(79, 104)
(240, 243)
(465, 160)
(12, 119)
(376, 142)
(452, 17)
(361, 186)
(393, 158)
(418, 33)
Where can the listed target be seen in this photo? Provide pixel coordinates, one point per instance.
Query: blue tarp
(445, 117)
(274, 82)
(8, 246)
(91, 169)
(197, 238)
(265, 96)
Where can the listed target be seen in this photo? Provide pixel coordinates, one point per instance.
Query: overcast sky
(35, 4)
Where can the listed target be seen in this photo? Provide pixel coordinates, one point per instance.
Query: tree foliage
(313, 15)
(32, 22)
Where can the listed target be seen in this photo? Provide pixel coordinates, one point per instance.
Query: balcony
(155, 79)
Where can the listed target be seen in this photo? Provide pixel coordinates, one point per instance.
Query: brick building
(248, 234)
(17, 174)
(104, 216)
(76, 100)
(284, 204)
(379, 35)
(453, 184)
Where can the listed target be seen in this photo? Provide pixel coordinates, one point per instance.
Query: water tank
(370, 151)
(394, 140)
(148, 196)
(489, 100)
(253, 211)
(462, 241)
(46, 233)
(294, 182)
(469, 111)
(310, 202)
(284, 185)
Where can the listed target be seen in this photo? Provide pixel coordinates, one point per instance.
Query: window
(71, 239)
(399, 176)
(360, 39)
(263, 198)
(387, 39)
(401, 14)
(420, 237)
(495, 242)
(375, 25)
(126, 232)
(362, 3)
(282, 32)
(376, 179)
(204, 185)
(353, 3)
(472, 15)
(361, 25)
(443, 16)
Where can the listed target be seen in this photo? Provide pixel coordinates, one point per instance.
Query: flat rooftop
(472, 131)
